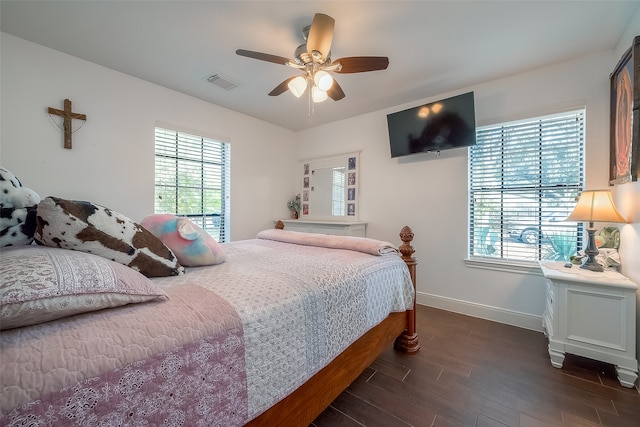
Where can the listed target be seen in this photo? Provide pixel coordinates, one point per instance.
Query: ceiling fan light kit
(320, 83)
(314, 58)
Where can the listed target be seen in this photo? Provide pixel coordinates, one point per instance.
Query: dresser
(591, 314)
(337, 228)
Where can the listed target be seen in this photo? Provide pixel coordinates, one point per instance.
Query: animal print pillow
(91, 228)
(17, 211)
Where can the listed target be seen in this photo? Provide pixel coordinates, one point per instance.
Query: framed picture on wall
(624, 157)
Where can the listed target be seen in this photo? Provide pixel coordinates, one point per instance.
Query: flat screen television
(441, 125)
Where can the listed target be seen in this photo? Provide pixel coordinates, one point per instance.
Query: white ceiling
(433, 46)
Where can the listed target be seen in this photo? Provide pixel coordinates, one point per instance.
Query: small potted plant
(294, 206)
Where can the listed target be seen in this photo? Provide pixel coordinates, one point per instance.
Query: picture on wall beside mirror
(330, 187)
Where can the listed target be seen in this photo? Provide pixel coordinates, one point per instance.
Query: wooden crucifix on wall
(68, 116)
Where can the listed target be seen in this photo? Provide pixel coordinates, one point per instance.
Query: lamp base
(592, 265)
(591, 251)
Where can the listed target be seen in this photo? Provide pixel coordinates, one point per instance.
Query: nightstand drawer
(597, 318)
(592, 315)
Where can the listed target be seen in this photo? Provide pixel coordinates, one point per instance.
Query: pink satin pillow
(192, 245)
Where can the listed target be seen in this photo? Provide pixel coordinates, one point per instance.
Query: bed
(269, 337)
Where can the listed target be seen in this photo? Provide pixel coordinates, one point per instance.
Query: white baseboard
(509, 317)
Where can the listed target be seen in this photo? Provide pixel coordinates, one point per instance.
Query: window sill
(508, 266)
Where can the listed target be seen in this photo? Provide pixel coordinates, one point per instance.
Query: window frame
(211, 157)
(512, 264)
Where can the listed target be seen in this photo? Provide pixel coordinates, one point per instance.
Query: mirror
(329, 188)
(327, 191)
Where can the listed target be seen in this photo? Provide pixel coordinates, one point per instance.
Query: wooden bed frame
(304, 405)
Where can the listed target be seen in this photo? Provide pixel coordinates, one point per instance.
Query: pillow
(608, 237)
(91, 228)
(17, 226)
(191, 244)
(40, 284)
(17, 210)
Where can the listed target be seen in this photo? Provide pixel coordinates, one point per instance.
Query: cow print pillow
(95, 229)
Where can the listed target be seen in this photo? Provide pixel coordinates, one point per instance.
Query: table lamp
(594, 205)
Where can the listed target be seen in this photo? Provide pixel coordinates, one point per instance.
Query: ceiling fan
(313, 58)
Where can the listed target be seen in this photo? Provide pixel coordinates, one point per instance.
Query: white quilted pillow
(40, 284)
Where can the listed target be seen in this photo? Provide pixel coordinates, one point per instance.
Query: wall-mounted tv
(440, 125)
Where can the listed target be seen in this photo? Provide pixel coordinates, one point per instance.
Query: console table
(591, 314)
(338, 228)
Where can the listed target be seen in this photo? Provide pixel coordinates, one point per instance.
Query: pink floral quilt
(232, 340)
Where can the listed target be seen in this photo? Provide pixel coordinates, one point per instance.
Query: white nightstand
(593, 315)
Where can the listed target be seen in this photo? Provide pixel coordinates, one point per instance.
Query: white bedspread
(322, 307)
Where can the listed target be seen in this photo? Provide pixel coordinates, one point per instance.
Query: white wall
(627, 199)
(429, 193)
(627, 196)
(111, 162)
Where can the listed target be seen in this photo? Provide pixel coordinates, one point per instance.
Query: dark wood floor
(474, 372)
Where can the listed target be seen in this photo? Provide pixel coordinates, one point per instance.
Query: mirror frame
(351, 163)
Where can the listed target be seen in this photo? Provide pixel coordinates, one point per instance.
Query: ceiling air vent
(222, 81)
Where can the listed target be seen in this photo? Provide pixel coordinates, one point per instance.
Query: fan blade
(282, 87)
(263, 56)
(362, 64)
(320, 35)
(335, 91)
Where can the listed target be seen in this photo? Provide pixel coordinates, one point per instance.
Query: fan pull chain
(309, 91)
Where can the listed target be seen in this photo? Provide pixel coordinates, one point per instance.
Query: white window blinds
(524, 179)
(192, 179)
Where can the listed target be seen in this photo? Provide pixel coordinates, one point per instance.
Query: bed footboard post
(407, 342)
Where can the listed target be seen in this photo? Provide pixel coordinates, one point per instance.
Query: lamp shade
(318, 94)
(323, 80)
(297, 86)
(596, 206)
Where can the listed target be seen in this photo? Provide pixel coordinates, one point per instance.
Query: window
(524, 178)
(337, 194)
(193, 180)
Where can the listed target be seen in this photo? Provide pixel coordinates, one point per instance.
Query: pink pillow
(192, 245)
(40, 283)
